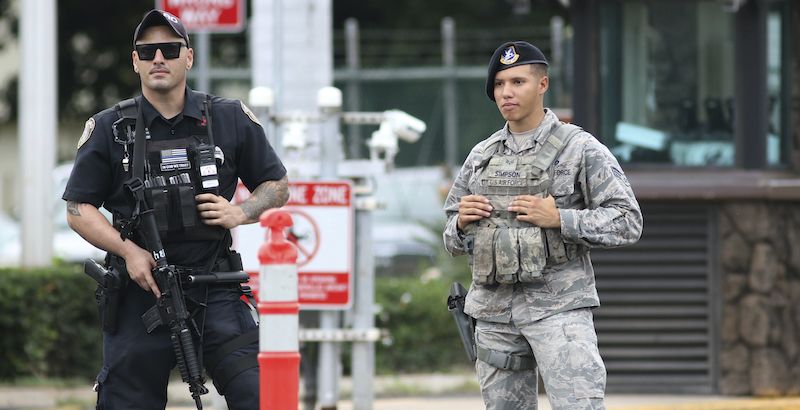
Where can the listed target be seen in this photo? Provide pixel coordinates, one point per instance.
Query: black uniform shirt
(98, 175)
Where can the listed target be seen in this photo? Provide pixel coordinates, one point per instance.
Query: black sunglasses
(169, 50)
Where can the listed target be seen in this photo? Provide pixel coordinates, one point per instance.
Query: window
(667, 81)
(778, 84)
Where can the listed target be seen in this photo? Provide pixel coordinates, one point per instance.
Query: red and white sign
(207, 15)
(322, 215)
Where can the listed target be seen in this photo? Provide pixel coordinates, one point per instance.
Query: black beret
(509, 55)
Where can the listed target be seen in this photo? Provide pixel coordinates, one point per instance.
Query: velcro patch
(506, 182)
(499, 173)
(621, 175)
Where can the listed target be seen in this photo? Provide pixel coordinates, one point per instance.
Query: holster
(464, 323)
(111, 284)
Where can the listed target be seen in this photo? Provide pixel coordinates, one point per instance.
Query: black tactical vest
(175, 171)
(505, 249)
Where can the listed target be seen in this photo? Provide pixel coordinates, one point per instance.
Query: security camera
(383, 141)
(406, 127)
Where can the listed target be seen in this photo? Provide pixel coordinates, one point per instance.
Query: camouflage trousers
(565, 348)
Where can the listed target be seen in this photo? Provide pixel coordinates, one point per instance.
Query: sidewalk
(417, 392)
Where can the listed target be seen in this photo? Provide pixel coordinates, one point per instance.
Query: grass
(33, 381)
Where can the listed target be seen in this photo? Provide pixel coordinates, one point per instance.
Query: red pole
(279, 357)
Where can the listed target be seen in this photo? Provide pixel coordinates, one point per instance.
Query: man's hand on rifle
(140, 264)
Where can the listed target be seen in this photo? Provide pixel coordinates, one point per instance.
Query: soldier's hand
(472, 208)
(140, 266)
(541, 212)
(216, 210)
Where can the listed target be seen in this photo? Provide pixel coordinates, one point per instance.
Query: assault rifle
(170, 309)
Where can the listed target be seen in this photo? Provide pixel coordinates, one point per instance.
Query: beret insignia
(509, 56)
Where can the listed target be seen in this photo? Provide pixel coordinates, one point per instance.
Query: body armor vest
(505, 249)
(175, 171)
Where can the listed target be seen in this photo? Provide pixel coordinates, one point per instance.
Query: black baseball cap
(161, 18)
(509, 55)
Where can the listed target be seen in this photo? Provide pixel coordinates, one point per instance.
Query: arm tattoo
(270, 194)
(72, 208)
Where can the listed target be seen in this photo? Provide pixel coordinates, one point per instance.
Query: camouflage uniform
(550, 316)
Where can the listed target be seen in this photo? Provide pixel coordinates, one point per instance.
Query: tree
(95, 39)
(94, 63)
(9, 27)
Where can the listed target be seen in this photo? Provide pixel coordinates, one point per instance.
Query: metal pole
(352, 46)
(262, 54)
(450, 92)
(329, 366)
(277, 52)
(557, 62)
(202, 60)
(329, 100)
(363, 362)
(38, 116)
(277, 69)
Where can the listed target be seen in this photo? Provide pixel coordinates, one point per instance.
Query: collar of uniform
(190, 109)
(548, 122)
(539, 136)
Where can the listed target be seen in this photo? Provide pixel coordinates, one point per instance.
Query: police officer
(527, 205)
(197, 147)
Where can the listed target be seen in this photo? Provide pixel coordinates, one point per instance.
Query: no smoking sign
(322, 217)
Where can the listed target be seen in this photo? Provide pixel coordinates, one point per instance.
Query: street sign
(322, 215)
(217, 16)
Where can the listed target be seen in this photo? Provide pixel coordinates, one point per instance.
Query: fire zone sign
(322, 228)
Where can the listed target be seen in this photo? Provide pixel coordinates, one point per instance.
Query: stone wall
(760, 326)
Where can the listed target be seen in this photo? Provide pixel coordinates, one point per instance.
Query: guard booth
(694, 99)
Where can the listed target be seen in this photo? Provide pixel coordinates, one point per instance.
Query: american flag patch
(174, 159)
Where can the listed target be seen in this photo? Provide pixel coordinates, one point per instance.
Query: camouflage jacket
(597, 207)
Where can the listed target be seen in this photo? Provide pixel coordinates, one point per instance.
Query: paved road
(417, 392)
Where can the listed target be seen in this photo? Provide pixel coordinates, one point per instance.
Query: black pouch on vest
(171, 186)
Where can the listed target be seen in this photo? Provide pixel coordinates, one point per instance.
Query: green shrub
(422, 336)
(49, 327)
(49, 324)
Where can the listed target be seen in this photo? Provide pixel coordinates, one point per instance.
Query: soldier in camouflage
(527, 205)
